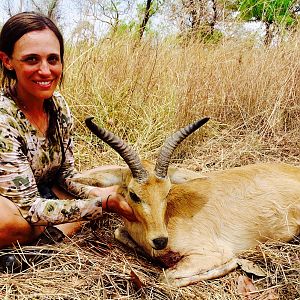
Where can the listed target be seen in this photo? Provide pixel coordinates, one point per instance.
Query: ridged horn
(164, 157)
(125, 151)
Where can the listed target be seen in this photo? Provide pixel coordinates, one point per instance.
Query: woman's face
(37, 63)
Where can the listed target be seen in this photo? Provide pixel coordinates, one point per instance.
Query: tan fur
(209, 219)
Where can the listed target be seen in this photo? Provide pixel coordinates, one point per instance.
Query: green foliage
(202, 35)
(213, 37)
(126, 28)
(131, 26)
(278, 12)
(155, 5)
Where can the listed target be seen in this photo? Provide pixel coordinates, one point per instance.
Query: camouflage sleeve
(51, 212)
(67, 170)
(18, 184)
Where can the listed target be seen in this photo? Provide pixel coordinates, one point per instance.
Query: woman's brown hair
(14, 28)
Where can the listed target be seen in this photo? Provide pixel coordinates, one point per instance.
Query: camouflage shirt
(28, 159)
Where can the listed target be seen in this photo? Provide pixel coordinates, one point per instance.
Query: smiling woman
(38, 67)
(36, 154)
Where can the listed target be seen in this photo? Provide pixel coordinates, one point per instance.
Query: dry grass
(143, 93)
(94, 266)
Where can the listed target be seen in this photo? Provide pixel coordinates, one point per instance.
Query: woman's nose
(44, 68)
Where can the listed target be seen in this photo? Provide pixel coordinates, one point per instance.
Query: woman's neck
(27, 103)
(33, 110)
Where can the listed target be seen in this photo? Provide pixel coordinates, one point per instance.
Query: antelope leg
(194, 268)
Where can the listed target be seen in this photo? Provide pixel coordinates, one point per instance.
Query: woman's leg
(13, 227)
(14, 230)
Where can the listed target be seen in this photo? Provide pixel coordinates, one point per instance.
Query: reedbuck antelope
(197, 225)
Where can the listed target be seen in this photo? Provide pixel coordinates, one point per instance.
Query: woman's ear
(6, 61)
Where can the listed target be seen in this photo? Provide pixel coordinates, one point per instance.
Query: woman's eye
(53, 60)
(31, 60)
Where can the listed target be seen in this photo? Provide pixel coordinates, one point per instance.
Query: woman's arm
(67, 169)
(17, 181)
(18, 184)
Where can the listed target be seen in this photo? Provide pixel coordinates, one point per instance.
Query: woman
(36, 154)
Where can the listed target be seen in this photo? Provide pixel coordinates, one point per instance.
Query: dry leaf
(250, 267)
(270, 295)
(245, 286)
(136, 280)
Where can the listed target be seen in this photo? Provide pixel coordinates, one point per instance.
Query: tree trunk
(52, 9)
(212, 23)
(195, 18)
(268, 34)
(145, 19)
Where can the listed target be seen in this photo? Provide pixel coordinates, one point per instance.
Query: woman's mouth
(44, 84)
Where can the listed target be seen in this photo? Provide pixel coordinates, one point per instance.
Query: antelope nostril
(160, 243)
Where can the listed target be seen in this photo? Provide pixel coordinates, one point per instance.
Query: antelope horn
(125, 151)
(164, 157)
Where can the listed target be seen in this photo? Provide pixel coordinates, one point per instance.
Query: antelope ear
(102, 176)
(178, 175)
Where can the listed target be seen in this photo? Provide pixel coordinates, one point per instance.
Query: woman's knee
(17, 230)
(13, 227)
(10, 215)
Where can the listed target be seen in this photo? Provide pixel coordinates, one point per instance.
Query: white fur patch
(146, 208)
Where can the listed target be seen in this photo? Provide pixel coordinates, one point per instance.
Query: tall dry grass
(145, 92)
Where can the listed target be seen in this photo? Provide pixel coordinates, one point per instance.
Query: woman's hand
(113, 202)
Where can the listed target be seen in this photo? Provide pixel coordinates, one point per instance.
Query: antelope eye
(134, 197)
